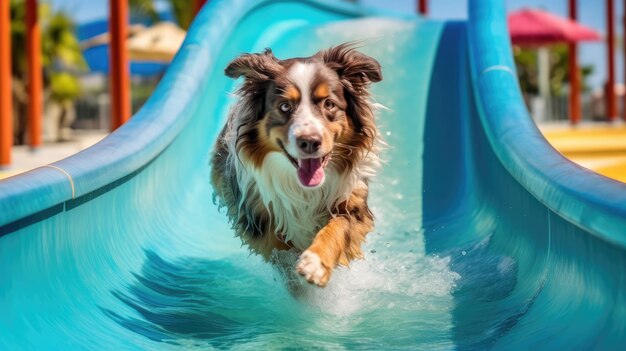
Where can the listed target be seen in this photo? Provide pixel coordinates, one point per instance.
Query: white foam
(366, 28)
(383, 280)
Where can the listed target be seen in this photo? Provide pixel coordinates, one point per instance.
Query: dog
(293, 162)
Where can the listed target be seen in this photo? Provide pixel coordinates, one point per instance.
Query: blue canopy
(97, 58)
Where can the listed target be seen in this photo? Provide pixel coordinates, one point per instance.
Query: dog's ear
(256, 67)
(352, 66)
(356, 72)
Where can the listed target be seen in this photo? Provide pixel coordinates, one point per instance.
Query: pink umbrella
(535, 27)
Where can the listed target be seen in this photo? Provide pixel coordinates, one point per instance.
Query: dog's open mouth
(310, 170)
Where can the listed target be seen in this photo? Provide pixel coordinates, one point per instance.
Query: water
(394, 298)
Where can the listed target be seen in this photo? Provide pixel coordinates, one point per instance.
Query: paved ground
(24, 159)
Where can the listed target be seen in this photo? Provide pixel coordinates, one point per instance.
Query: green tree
(144, 7)
(61, 59)
(183, 10)
(526, 64)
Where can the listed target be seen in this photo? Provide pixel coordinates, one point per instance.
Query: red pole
(574, 78)
(611, 106)
(6, 104)
(119, 63)
(197, 6)
(35, 80)
(422, 7)
(624, 47)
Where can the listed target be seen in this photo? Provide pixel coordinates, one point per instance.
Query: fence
(556, 108)
(94, 111)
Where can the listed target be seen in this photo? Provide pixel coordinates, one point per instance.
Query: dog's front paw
(311, 268)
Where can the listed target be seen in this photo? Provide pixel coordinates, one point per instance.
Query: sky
(590, 13)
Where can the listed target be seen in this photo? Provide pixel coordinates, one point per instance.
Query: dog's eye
(285, 107)
(329, 105)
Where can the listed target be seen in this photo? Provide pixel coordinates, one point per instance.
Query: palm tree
(61, 57)
(183, 10)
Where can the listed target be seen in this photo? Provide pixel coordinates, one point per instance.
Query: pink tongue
(310, 172)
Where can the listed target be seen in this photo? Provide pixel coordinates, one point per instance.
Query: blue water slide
(485, 236)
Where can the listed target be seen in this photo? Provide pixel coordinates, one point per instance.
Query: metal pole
(574, 78)
(611, 106)
(35, 76)
(6, 104)
(543, 70)
(119, 63)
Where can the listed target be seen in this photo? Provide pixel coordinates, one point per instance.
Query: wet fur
(255, 181)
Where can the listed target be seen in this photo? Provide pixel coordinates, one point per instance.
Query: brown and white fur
(293, 162)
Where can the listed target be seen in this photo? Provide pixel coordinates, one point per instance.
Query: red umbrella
(532, 26)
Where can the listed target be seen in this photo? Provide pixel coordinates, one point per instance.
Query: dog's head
(313, 110)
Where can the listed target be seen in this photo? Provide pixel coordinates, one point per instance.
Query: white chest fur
(297, 213)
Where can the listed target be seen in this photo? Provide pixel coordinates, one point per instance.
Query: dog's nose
(309, 143)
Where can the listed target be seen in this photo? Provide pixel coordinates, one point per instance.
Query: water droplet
(387, 245)
(463, 253)
(388, 133)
